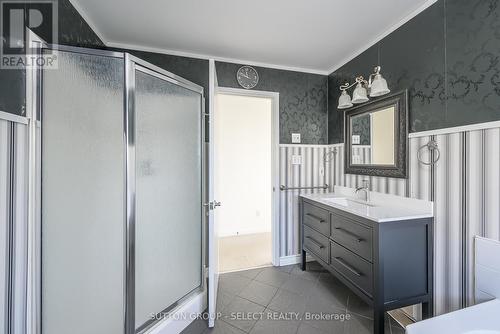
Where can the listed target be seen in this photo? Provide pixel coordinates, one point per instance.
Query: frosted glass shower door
(83, 192)
(168, 259)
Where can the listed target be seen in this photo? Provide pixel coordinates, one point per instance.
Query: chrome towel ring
(329, 155)
(431, 146)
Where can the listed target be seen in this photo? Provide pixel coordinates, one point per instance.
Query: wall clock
(247, 77)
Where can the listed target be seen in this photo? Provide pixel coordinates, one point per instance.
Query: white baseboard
(293, 259)
(183, 316)
(249, 231)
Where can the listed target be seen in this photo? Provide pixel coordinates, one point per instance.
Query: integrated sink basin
(344, 201)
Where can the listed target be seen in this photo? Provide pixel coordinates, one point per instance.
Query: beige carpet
(245, 252)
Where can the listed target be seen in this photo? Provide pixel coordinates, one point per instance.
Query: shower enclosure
(121, 228)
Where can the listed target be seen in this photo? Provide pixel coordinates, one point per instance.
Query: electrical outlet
(296, 160)
(295, 138)
(356, 139)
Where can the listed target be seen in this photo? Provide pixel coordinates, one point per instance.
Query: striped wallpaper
(464, 185)
(465, 188)
(311, 172)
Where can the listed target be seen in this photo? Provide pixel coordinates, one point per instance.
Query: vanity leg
(427, 310)
(303, 265)
(378, 321)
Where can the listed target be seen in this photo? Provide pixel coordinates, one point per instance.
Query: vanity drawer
(317, 218)
(316, 243)
(353, 267)
(352, 235)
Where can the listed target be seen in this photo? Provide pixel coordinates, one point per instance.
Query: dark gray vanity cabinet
(387, 264)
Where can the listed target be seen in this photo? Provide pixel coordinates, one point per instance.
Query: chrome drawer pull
(348, 267)
(320, 220)
(320, 246)
(352, 235)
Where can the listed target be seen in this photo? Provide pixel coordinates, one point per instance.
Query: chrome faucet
(366, 188)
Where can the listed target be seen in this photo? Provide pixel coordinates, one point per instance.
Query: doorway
(246, 146)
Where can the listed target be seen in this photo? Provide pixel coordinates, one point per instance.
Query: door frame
(274, 96)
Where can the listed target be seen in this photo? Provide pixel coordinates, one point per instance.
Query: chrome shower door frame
(133, 64)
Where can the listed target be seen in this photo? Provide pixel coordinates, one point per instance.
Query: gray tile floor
(275, 292)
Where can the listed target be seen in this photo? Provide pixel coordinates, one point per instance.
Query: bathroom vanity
(382, 249)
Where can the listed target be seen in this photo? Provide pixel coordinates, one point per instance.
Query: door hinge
(212, 205)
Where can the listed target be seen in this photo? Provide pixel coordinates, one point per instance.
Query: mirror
(372, 138)
(376, 137)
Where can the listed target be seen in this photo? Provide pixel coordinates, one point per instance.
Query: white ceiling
(308, 35)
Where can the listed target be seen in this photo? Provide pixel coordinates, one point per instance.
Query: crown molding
(401, 22)
(121, 45)
(89, 21)
(216, 58)
(116, 44)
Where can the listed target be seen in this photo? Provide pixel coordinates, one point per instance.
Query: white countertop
(478, 319)
(381, 208)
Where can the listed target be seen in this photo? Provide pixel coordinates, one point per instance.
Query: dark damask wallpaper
(303, 100)
(448, 59)
(473, 61)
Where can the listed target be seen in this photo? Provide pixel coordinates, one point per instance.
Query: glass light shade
(344, 101)
(379, 86)
(359, 95)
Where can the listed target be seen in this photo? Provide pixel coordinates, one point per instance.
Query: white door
(213, 240)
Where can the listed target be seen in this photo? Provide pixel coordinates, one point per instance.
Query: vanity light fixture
(375, 86)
